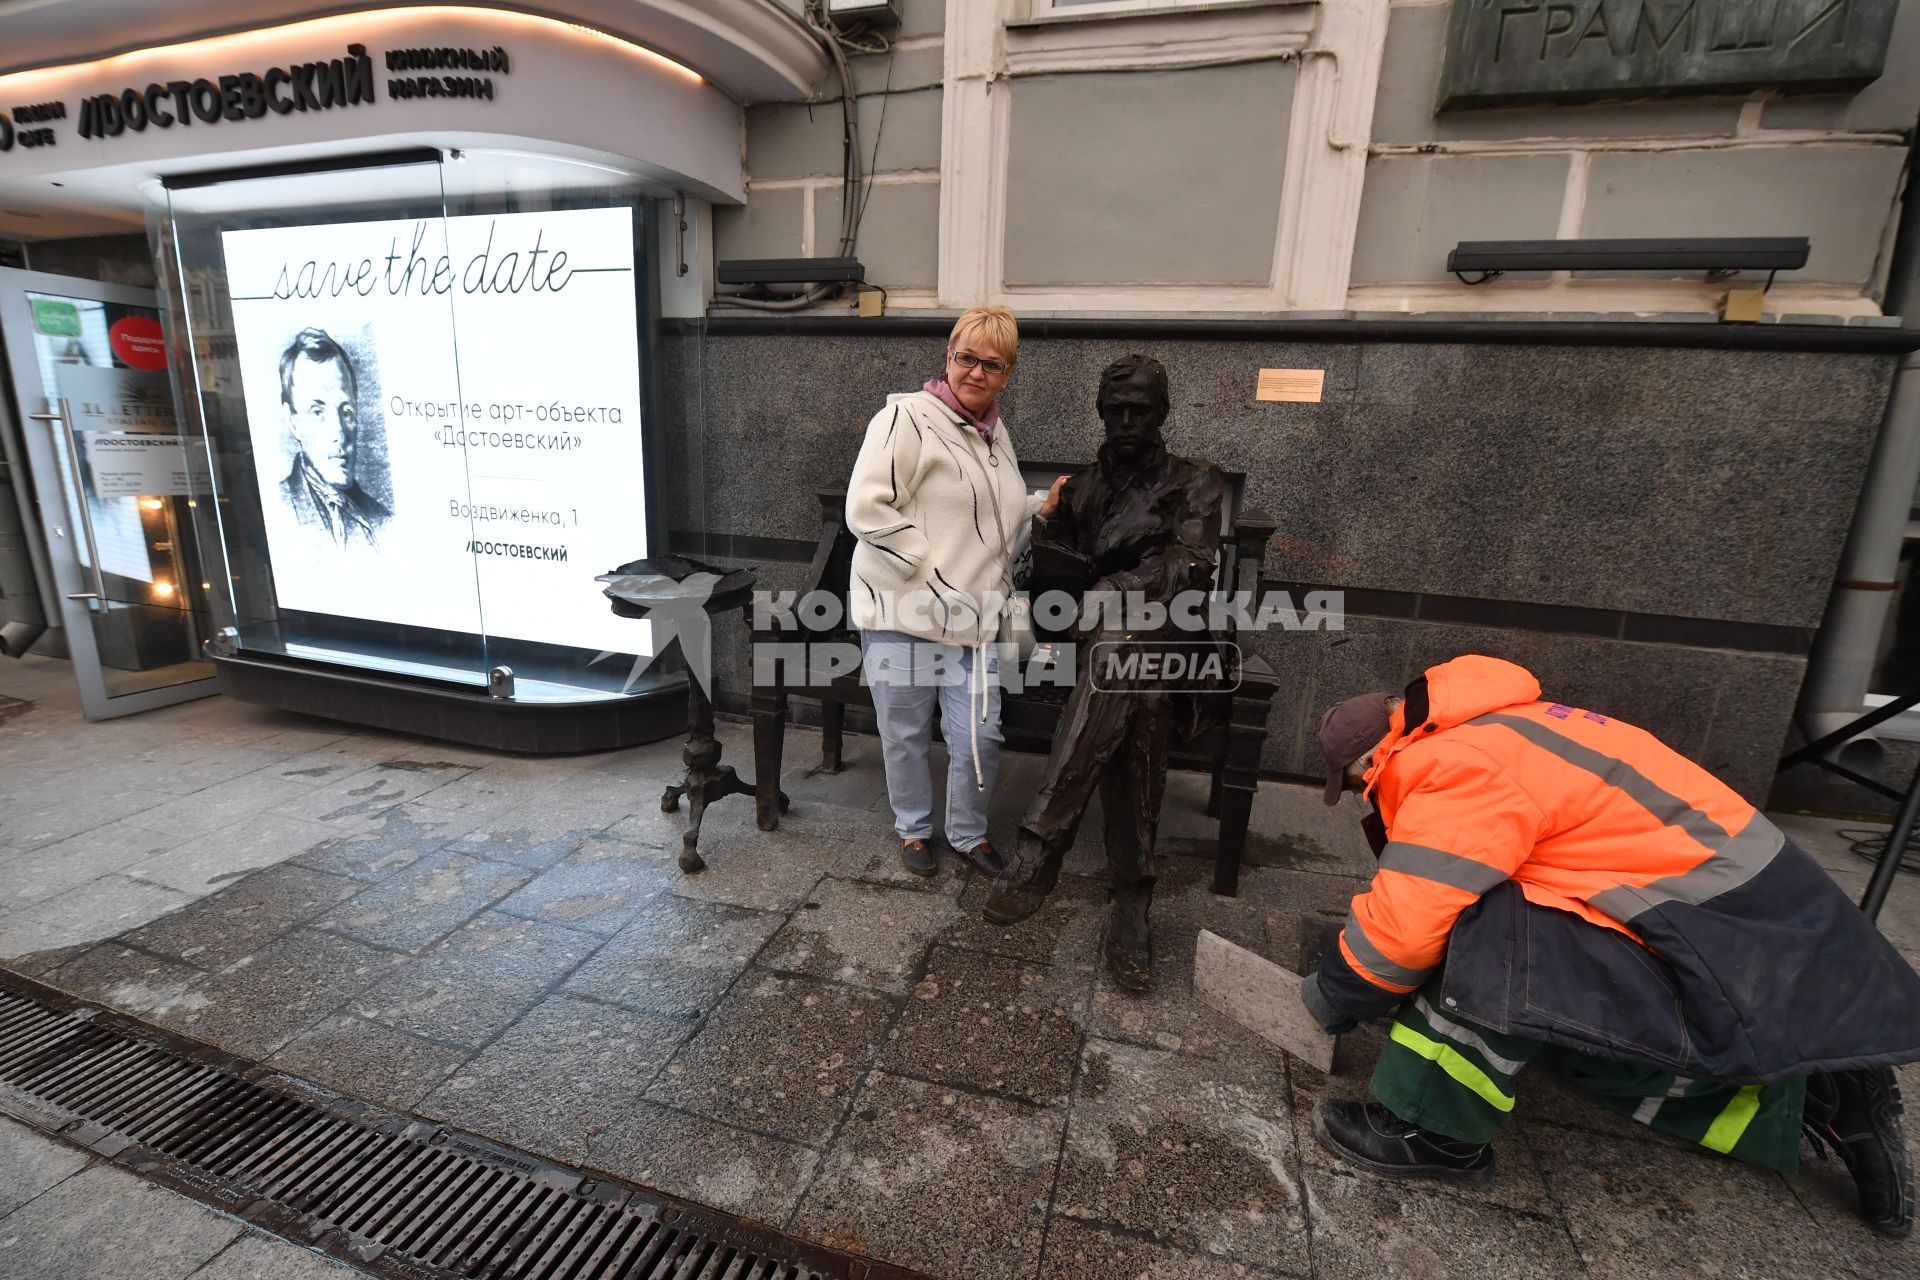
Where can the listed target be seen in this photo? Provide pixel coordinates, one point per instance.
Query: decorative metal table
(681, 597)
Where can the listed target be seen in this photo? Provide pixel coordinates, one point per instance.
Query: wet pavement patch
(13, 708)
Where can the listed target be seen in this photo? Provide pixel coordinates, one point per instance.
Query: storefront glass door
(109, 473)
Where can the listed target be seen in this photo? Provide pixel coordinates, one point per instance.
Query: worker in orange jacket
(1559, 888)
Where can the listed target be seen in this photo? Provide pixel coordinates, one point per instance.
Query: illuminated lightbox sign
(319, 85)
(445, 416)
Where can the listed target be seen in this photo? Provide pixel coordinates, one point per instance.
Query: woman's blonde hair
(994, 326)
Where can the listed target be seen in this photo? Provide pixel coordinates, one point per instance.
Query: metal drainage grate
(394, 1195)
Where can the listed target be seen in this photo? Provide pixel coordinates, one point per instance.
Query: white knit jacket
(940, 516)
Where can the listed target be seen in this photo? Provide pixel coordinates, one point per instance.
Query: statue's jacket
(1151, 532)
(1569, 878)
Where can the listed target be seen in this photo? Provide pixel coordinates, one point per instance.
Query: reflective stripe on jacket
(1645, 911)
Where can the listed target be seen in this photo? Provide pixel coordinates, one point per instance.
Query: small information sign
(1296, 386)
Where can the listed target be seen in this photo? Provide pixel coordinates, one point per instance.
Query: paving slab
(582, 800)
(368, 1061)
(403, 835)
(106, 1224)
(210, 861)
(764, 870)
(427, 901)
(31, 1164)
(327, 762)
(1368, 1227)
(260, 1002)
(676, 957)
(992, 1023)
(72, 804)
(705, 1161)
(558, 1077)
(497, 784)
(236, 921)
(1088, 1251)
(34, 875)
(599, 895)
(211, 808)
(86, 913)
(1654, 1208)
(254, 1256)
(501, 841)
(1194, 1152)
(864, 934)
(476, 982)
(356, 801)
(940, 1179)
(780, 1055)
(1260, 996)
(122, 978)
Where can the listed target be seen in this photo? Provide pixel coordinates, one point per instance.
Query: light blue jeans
(908, 678)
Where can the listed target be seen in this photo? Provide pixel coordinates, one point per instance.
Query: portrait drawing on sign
(337, 482)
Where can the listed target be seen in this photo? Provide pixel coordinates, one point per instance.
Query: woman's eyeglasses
(968, 360)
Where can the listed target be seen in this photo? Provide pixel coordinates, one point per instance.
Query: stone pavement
(804, 1034)
(65, 1214)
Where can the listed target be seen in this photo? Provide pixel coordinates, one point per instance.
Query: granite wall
(1652, 531)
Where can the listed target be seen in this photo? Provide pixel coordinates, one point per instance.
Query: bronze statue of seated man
(1145, 524)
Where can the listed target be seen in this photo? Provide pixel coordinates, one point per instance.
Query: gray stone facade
(1617, 519)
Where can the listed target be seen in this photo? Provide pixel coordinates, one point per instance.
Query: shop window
(423, 397)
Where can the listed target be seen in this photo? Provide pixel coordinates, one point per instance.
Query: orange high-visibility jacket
(1626, 875)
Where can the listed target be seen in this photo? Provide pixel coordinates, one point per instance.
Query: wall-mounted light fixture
(1715, 255)
(790, 271)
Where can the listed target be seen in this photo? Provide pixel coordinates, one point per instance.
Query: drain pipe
(1841, 664)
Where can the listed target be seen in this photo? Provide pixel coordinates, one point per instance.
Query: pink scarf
(984, 424)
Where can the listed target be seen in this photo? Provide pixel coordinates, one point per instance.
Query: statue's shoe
(1009, 904)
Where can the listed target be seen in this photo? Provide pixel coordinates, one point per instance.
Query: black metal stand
(1896, 851)
(672, 590)
(707, 779)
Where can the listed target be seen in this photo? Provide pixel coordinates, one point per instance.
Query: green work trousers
(1455, 1078)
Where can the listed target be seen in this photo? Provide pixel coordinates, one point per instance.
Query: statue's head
(1133, 406)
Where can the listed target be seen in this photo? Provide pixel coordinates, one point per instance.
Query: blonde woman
(939, 509)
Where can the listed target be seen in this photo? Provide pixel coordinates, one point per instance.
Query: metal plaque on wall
(1504, 52)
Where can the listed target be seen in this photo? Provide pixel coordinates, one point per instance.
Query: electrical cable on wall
(859, 38)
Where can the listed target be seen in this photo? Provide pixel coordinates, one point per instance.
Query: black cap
(1348, 731)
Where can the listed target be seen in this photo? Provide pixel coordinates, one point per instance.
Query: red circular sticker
(138, 342)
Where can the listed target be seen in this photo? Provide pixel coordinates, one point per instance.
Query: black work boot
(1129, 939)
(918, 857)
(1857, 1113)
(1369, 1135)
(1019, 890)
